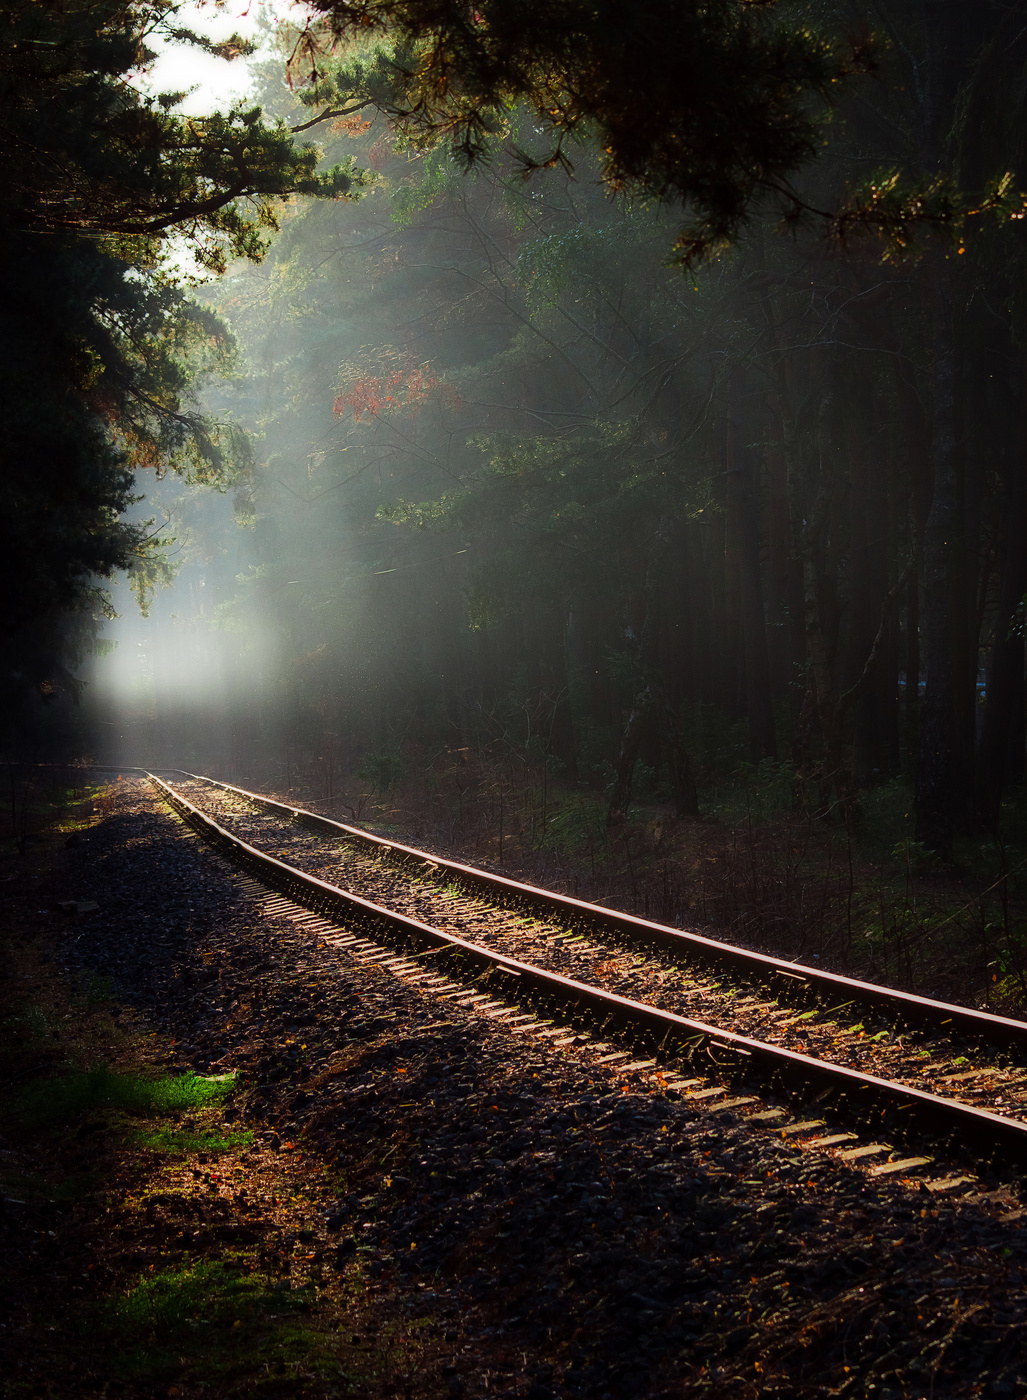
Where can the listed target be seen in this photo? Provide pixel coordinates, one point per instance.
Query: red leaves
(372, 395)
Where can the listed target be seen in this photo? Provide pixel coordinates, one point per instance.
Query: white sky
(216, 81)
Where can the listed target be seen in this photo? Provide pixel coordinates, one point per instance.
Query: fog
(530, 506)
(163, 688)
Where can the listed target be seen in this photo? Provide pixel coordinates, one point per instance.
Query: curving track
(541, 961)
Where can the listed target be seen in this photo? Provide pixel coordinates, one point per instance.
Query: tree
(102, 349)
(643, 510)
(712, 106)
(85, 152)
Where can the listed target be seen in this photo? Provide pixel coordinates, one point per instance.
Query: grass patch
(29, 1186)
(207, 1319)
(31, 1026)
(51, 1102)
(167, 1305)
(179, 1141)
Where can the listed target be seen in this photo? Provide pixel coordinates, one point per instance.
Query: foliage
(710, 106)
(180, 1141)
(163, 1307)
(383, 768)
(369, 395)
(528, 497)
(87, 153)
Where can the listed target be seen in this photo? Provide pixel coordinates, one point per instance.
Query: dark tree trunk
(727, 687)
(561, 731)
(784, 572)
(627, 757)
(651, 701)
(741, 471)
(914, 434)
(911, 696)
(1004, 696)
(682, 773)
(942, 780)
(875, 732)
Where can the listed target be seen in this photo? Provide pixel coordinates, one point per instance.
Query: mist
(537, 523)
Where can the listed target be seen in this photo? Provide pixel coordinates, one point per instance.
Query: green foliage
(88, 153)
(438, 177)
(383, 768)
(567, 260)
(575, 823)
(164, 1305)
(899, 213)
(101, 352)
(215, 1326)
(225, 1325)
(422, 516)
(884, 820)
(914, 855)
(151, 569)
(755, 792)
(706, 106)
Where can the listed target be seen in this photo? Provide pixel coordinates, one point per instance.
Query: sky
(212, 83)
(216, 81)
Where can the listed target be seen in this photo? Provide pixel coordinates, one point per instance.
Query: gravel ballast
(571, 1232)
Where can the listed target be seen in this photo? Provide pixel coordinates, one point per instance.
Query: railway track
(555, 967)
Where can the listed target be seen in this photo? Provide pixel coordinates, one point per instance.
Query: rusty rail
(897, 1107)
(924, 1011)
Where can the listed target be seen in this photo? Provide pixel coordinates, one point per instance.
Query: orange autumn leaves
(372, 395)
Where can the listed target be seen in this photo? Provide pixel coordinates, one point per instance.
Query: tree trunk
(784, 573)
(911, 696)
(651, 700)
(627, 757)
(728, 673)
(741, 467)
(1004, 695)
(811, 513)
(941, 777)
(875, 733)
(556, 688)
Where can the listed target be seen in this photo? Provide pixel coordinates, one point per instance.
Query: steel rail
(970, 1129)
(999, 1030)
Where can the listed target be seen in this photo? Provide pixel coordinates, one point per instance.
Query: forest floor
(235, 1163)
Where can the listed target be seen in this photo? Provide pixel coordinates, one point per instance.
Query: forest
(592, 438)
